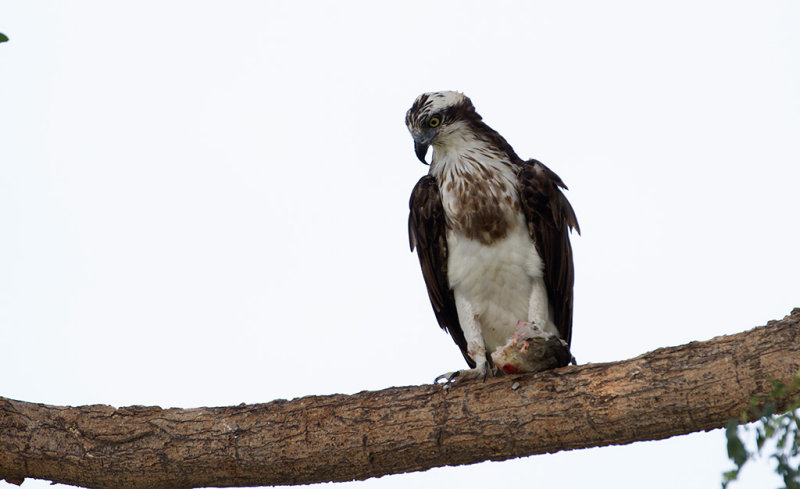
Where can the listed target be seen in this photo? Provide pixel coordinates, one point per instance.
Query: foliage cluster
(769, 429)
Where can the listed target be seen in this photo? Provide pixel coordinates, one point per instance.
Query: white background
(204, 203)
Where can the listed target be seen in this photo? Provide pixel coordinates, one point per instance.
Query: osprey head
(436, 115)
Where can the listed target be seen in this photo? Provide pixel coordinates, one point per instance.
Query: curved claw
(448, 377)
(482, 371)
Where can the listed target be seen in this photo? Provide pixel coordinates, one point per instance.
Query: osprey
(491, 232)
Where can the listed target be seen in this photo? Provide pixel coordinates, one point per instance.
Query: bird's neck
(462, 152)
(477, 184)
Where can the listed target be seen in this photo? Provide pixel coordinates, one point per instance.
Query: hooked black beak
(421, 149)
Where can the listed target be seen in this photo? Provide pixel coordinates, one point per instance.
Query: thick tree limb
(667, 392)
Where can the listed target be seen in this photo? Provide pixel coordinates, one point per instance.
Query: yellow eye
(434, 122)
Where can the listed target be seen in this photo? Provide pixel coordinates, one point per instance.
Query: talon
(448, 377)
(488, 371)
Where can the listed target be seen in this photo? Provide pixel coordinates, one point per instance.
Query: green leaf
(769, 410)
(769, 430)
(782, 429)
(3, 37)
(784, 439)
(760, 439)
(736, 450)
(792, 479)
(729, 477)
(778, 388)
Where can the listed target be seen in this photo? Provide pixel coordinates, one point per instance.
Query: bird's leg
(470, 325)
(539, 307)
(482, 366)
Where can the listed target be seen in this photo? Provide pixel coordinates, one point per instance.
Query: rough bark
(667, 392)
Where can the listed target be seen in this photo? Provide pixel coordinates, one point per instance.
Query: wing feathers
(427, 232)
(550, 217)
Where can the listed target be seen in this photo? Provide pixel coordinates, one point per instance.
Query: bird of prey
(491, 232)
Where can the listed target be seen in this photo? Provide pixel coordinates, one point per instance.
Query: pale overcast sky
(204, 203)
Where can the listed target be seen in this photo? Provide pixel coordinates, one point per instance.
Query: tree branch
(667, 392)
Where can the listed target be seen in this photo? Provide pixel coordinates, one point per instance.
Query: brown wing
(427, 233)
(550, 217)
